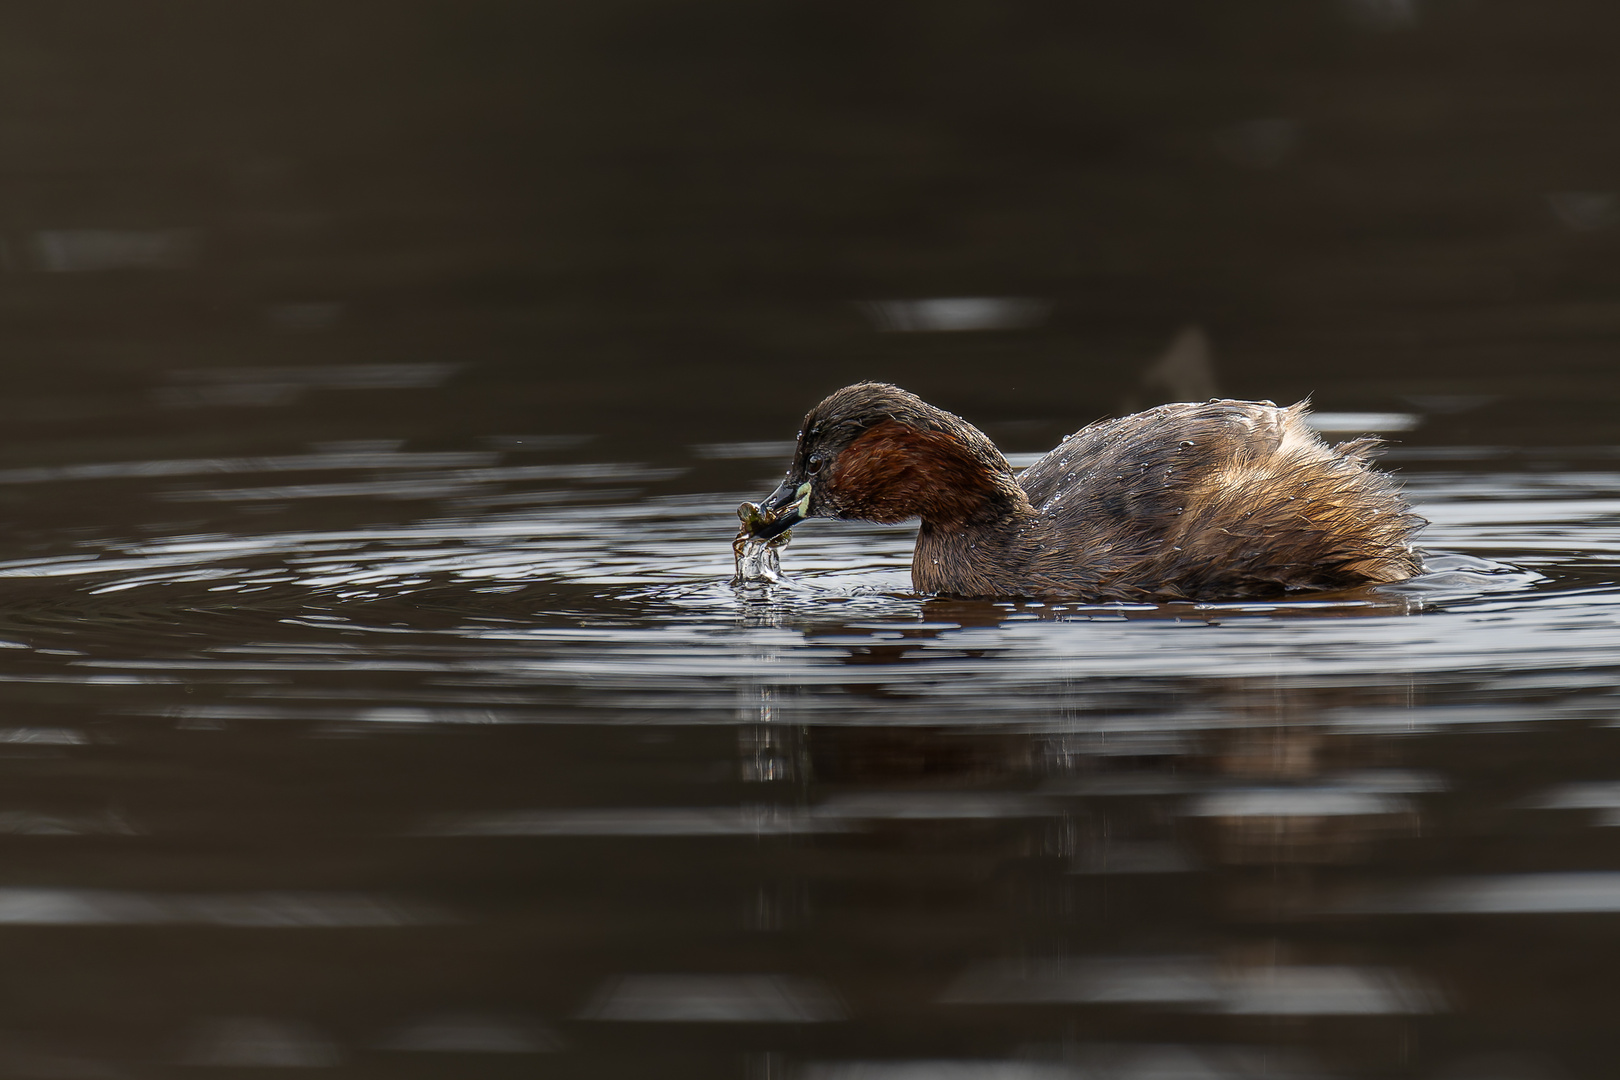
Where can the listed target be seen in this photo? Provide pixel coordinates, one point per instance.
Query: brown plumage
(1219, 500)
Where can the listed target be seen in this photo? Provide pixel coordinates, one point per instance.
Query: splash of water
(758, 559)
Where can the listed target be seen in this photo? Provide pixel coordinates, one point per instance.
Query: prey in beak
(782, 509)
(765, 532)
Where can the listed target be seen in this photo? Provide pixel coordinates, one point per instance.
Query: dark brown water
(381, 382)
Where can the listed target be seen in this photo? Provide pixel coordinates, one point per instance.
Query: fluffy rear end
(1215, 500)
(1287, 511)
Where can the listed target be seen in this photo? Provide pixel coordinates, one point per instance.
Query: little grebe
(1213, 501)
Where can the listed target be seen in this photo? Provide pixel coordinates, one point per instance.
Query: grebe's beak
(786, 506)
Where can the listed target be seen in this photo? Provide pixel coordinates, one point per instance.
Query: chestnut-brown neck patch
(894, 472)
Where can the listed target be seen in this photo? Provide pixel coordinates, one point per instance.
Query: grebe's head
(874, 452)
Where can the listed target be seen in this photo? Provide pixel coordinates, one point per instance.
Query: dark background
(658, 221)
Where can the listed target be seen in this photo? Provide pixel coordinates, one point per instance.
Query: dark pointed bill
(784, 508)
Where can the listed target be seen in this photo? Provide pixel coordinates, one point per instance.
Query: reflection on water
(374, 698)
(258, 1042)
(525, 716)
(748, 999)
(258, 386)
(1147, 1062)
(75, 907)
(1512, 894)
(653, 821)
(469, 1034)
(91, 250)
(957, 313)
(1198, 985)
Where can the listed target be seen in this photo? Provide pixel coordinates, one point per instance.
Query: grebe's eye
(813, 466)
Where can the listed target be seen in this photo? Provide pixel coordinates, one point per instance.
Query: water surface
(380, 384)
(503, 764)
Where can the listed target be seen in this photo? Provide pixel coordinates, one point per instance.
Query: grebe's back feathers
(1218, 499)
